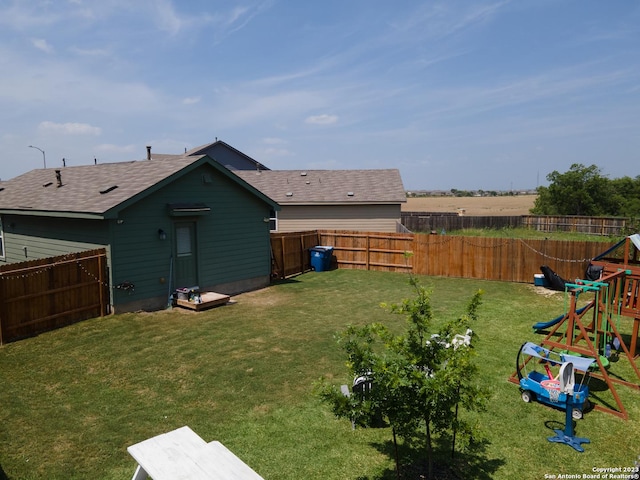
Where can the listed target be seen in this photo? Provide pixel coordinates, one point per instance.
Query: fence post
(284, 262)
(368, 252)
(101, 282)
(2, 295)
(302, 252)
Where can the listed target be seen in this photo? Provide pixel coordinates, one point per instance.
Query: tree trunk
(395, 444)
(429, 450)
(453, 440)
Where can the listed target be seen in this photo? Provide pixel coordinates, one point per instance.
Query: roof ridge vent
(107, 190)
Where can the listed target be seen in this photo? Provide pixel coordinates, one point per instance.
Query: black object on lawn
(555, 281)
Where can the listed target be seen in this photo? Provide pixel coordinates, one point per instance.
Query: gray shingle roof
(302, 187)
(211, 147)
(88, 189)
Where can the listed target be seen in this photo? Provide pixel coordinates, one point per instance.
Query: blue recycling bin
(321, 258)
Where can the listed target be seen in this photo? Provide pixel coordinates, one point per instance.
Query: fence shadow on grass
(3, 476)
(285, 281)
(472, 464)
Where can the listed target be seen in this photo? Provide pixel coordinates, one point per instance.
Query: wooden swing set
(616, 295)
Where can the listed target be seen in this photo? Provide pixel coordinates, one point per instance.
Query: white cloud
(167, 18)
(323, 119)
(69, 128)
(191, 100)
(235, 14)
(42, 44)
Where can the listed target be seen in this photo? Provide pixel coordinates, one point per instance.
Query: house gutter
(47, 213)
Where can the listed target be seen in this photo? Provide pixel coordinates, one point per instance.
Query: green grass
(529, 233)
(72, 400)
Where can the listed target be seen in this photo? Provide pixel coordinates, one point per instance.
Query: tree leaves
(585, 191)
(418, 378)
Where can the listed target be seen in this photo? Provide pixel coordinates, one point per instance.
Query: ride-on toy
(544, 387)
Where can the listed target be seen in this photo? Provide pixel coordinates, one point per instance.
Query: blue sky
(473, 94)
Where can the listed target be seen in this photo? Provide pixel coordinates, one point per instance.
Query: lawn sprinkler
(566, 386)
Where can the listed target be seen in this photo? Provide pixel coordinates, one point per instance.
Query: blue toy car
(544, 387)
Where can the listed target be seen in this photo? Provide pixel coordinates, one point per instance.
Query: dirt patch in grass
(544, 291)
(492, 206)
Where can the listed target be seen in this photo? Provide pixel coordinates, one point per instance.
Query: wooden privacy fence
(45, 294)
(504, 259)
(290, 252)
(580, 224)
(390, 252)
(439, 221)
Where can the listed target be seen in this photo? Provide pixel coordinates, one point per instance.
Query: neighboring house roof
(305, 187)
(100, 191)
(210, 148)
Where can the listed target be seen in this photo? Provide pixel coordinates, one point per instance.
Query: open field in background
(74, 399)
(480, 206)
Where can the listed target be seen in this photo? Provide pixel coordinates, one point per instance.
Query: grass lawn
(530, 233)
(72, 400)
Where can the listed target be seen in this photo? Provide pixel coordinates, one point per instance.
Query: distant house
(366, 200)
(166, 222)
(224, 154)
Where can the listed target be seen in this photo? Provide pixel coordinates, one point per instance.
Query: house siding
(232, 241)
(371, 218)
(32, 237)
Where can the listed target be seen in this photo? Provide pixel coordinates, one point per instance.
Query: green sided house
(166, 222)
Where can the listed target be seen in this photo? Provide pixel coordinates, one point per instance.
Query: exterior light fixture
(162, 235)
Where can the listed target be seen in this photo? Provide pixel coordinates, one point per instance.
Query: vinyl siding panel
(232, 241)
(371, 218)
(48, 237)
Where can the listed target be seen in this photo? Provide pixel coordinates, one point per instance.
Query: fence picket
(41, 295)
(503, 259)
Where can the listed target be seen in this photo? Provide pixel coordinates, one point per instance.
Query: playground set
(588, 338)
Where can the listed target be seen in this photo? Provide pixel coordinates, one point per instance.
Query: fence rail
(45, 294)
(504, 259)
(370, 251)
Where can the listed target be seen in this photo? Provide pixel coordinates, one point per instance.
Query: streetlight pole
(44, 159)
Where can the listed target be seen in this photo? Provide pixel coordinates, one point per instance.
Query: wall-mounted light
(162, 235)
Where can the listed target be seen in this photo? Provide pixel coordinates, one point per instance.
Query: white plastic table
(182, 455)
